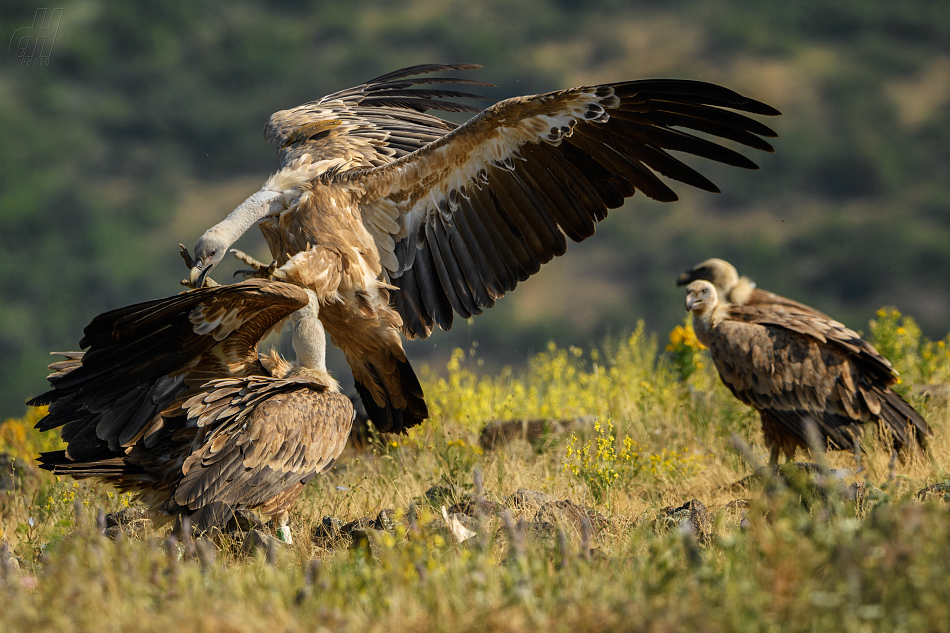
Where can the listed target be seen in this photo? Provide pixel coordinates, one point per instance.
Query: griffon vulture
(738, 290)
(798, 367)
(173, 401)
(417, 219)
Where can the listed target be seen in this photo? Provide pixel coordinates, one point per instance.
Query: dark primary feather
(517, 213)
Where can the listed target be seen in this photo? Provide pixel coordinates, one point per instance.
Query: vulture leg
(773, 457)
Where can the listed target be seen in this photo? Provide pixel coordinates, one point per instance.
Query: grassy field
(805, 555)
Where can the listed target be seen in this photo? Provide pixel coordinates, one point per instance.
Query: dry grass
(805, 559)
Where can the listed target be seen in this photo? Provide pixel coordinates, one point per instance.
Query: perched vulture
(172, 401)
(738, 290)
(797, 367)
(416, 219)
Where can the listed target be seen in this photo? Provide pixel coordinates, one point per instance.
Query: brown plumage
(415, 220)
(799, 367)
(172, 401)
(738, 290)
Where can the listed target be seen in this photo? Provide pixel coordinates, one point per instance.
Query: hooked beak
(691, 300)
(198, 274)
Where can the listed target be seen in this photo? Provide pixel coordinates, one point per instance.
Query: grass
(802, 558)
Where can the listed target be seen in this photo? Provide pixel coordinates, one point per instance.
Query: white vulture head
(701, 298)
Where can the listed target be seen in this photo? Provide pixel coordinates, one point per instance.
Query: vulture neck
(310, 344)
(241, 219)
(742, 291)
(705, 321)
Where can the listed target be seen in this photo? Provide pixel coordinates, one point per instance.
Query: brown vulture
(738, 290)
(798, 367)
(416, 219)
(171, 400)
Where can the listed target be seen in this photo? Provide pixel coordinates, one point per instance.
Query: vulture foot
(259, 270)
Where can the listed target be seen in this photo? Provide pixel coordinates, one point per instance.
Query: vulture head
(701, 298)
(209, 250)
(721, 273)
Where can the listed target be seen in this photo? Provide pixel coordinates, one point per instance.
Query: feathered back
(142, 357)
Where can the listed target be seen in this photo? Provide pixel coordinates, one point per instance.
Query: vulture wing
(797, 366)
(461, 221)
(259, 440)
(374, 123)
(143, 357)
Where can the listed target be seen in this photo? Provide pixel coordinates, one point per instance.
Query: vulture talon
(185, 255)
(259, 270)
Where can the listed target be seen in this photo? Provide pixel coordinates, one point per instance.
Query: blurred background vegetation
(145, 128)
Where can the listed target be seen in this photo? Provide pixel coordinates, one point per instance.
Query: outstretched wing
(373, 123)
(461, 221)
(142, 357)
(258, 437)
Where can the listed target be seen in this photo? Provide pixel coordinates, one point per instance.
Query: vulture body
(732, 288)
(798, 368)
(410, 219)
(172, 401)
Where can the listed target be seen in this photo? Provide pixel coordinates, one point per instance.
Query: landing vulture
(799, 367)
(172, 401)
(738, 290)
(418, 219)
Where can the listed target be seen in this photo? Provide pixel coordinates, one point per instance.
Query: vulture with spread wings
(412, 219)
(798, 367)
(172, 401)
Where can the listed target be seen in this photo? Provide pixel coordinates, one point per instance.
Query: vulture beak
(691, 300)
(198, 274)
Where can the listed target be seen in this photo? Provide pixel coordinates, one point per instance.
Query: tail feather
(903, 421)
(388, 418)
(111, 468)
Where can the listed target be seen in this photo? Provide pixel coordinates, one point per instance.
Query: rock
(328, 533)
(244, 521)
(368, 540)
(523, 531)
(386, 520)
(257, 541)
(131, 521)
(8, 562)
(358, 524)
(503, 432)
(736, 511)
(937, 492)
(523, 499)
(443, 494)
(472, 508)
(567, 512)
(691, 515)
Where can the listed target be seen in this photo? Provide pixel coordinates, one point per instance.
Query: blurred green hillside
(145, 128)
